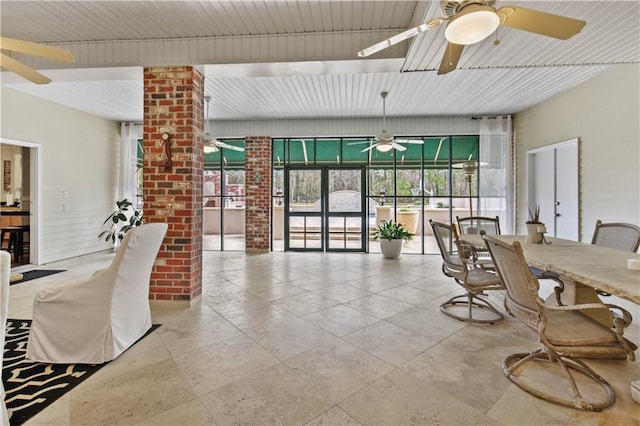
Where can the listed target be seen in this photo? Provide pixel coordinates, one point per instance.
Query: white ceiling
(297, 59)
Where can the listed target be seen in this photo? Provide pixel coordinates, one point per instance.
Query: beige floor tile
(341, 320)
(275, 291)
(374, 284)
(517, 407)
(290, 337)
(57, 414)
(408, 294)
(305, 303)
(474, 379)
(340, 369)
(341, 293)
(315, 282)
(191, 413)
(196, 332)
(400, 399)
(333, 417)
(261, 316)
(378, 306)
(129, 397)
(277, 395)
(390, 343)
(221, 363)
(427, 321)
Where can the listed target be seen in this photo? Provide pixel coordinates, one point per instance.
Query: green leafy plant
(405, 209)
(389, 230)
(121, 222)
(534, 217)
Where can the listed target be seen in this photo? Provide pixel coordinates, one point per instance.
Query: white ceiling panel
(612, 35)
(297, 59)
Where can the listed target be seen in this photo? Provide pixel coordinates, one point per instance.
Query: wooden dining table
(586, 267)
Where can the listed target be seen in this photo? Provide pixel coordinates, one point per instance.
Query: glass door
(324, 209)
(345, 220)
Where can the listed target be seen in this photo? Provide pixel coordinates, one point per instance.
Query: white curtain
(496, 171)
(127, 180)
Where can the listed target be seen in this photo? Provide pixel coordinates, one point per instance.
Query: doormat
(31, 386)
(35, 274)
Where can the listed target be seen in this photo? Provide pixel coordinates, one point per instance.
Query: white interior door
(542, 183)
(553, 185)
(566, 202)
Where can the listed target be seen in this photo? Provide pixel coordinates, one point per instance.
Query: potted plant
(408, 218)
(391, 236)
(534, 226)
(122, 220)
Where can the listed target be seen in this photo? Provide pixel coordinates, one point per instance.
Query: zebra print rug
(30, 386)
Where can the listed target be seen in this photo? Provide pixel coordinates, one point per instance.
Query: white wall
(604, 113)
(79, 158)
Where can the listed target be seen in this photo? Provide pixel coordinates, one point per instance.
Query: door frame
(35, 185)
(325, 214)
(570, 183)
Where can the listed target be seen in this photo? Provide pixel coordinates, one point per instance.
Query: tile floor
(316, 339)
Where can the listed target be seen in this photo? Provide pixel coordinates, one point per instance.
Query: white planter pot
(391, 249)
(533, 236)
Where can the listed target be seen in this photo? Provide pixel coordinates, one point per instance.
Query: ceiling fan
(471, 21)
(212, 144)
(385, 141)
(30, 48)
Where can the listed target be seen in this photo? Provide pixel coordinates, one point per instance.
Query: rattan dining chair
(616, 235)
(565, 332)
(479, 225)
(621, 236)
(475, 224)
(461, 264)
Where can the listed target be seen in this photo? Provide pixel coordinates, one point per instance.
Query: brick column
(258, 193)
(173, 104)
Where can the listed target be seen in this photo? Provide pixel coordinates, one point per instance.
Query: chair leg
(513, 362)
(471, 301)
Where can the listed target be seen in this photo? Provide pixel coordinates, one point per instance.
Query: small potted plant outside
(533, 226)
(124, 218)
(408, 218)
(391, 236)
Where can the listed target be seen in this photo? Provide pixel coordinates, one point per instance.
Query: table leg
(576, 293)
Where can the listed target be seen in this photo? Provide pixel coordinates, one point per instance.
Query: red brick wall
(173, 103)
(258, 194)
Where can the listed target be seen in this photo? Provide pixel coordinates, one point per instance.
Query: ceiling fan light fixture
(210, 148)
(384, 147)
(469, 168)
(472, 24)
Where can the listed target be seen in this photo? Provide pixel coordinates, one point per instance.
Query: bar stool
(16, 241)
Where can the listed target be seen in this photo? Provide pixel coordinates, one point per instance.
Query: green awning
(435, 152)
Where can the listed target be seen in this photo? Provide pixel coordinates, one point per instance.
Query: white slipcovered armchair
(93, 321)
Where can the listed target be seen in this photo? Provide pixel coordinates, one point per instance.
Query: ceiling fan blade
(543, 23)
(450, 58)
(22, 70)
(358, 143)
(413, 141)
(36, 49)
(369, 148)
(220, 144)
(398, 146)
(411, 32)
